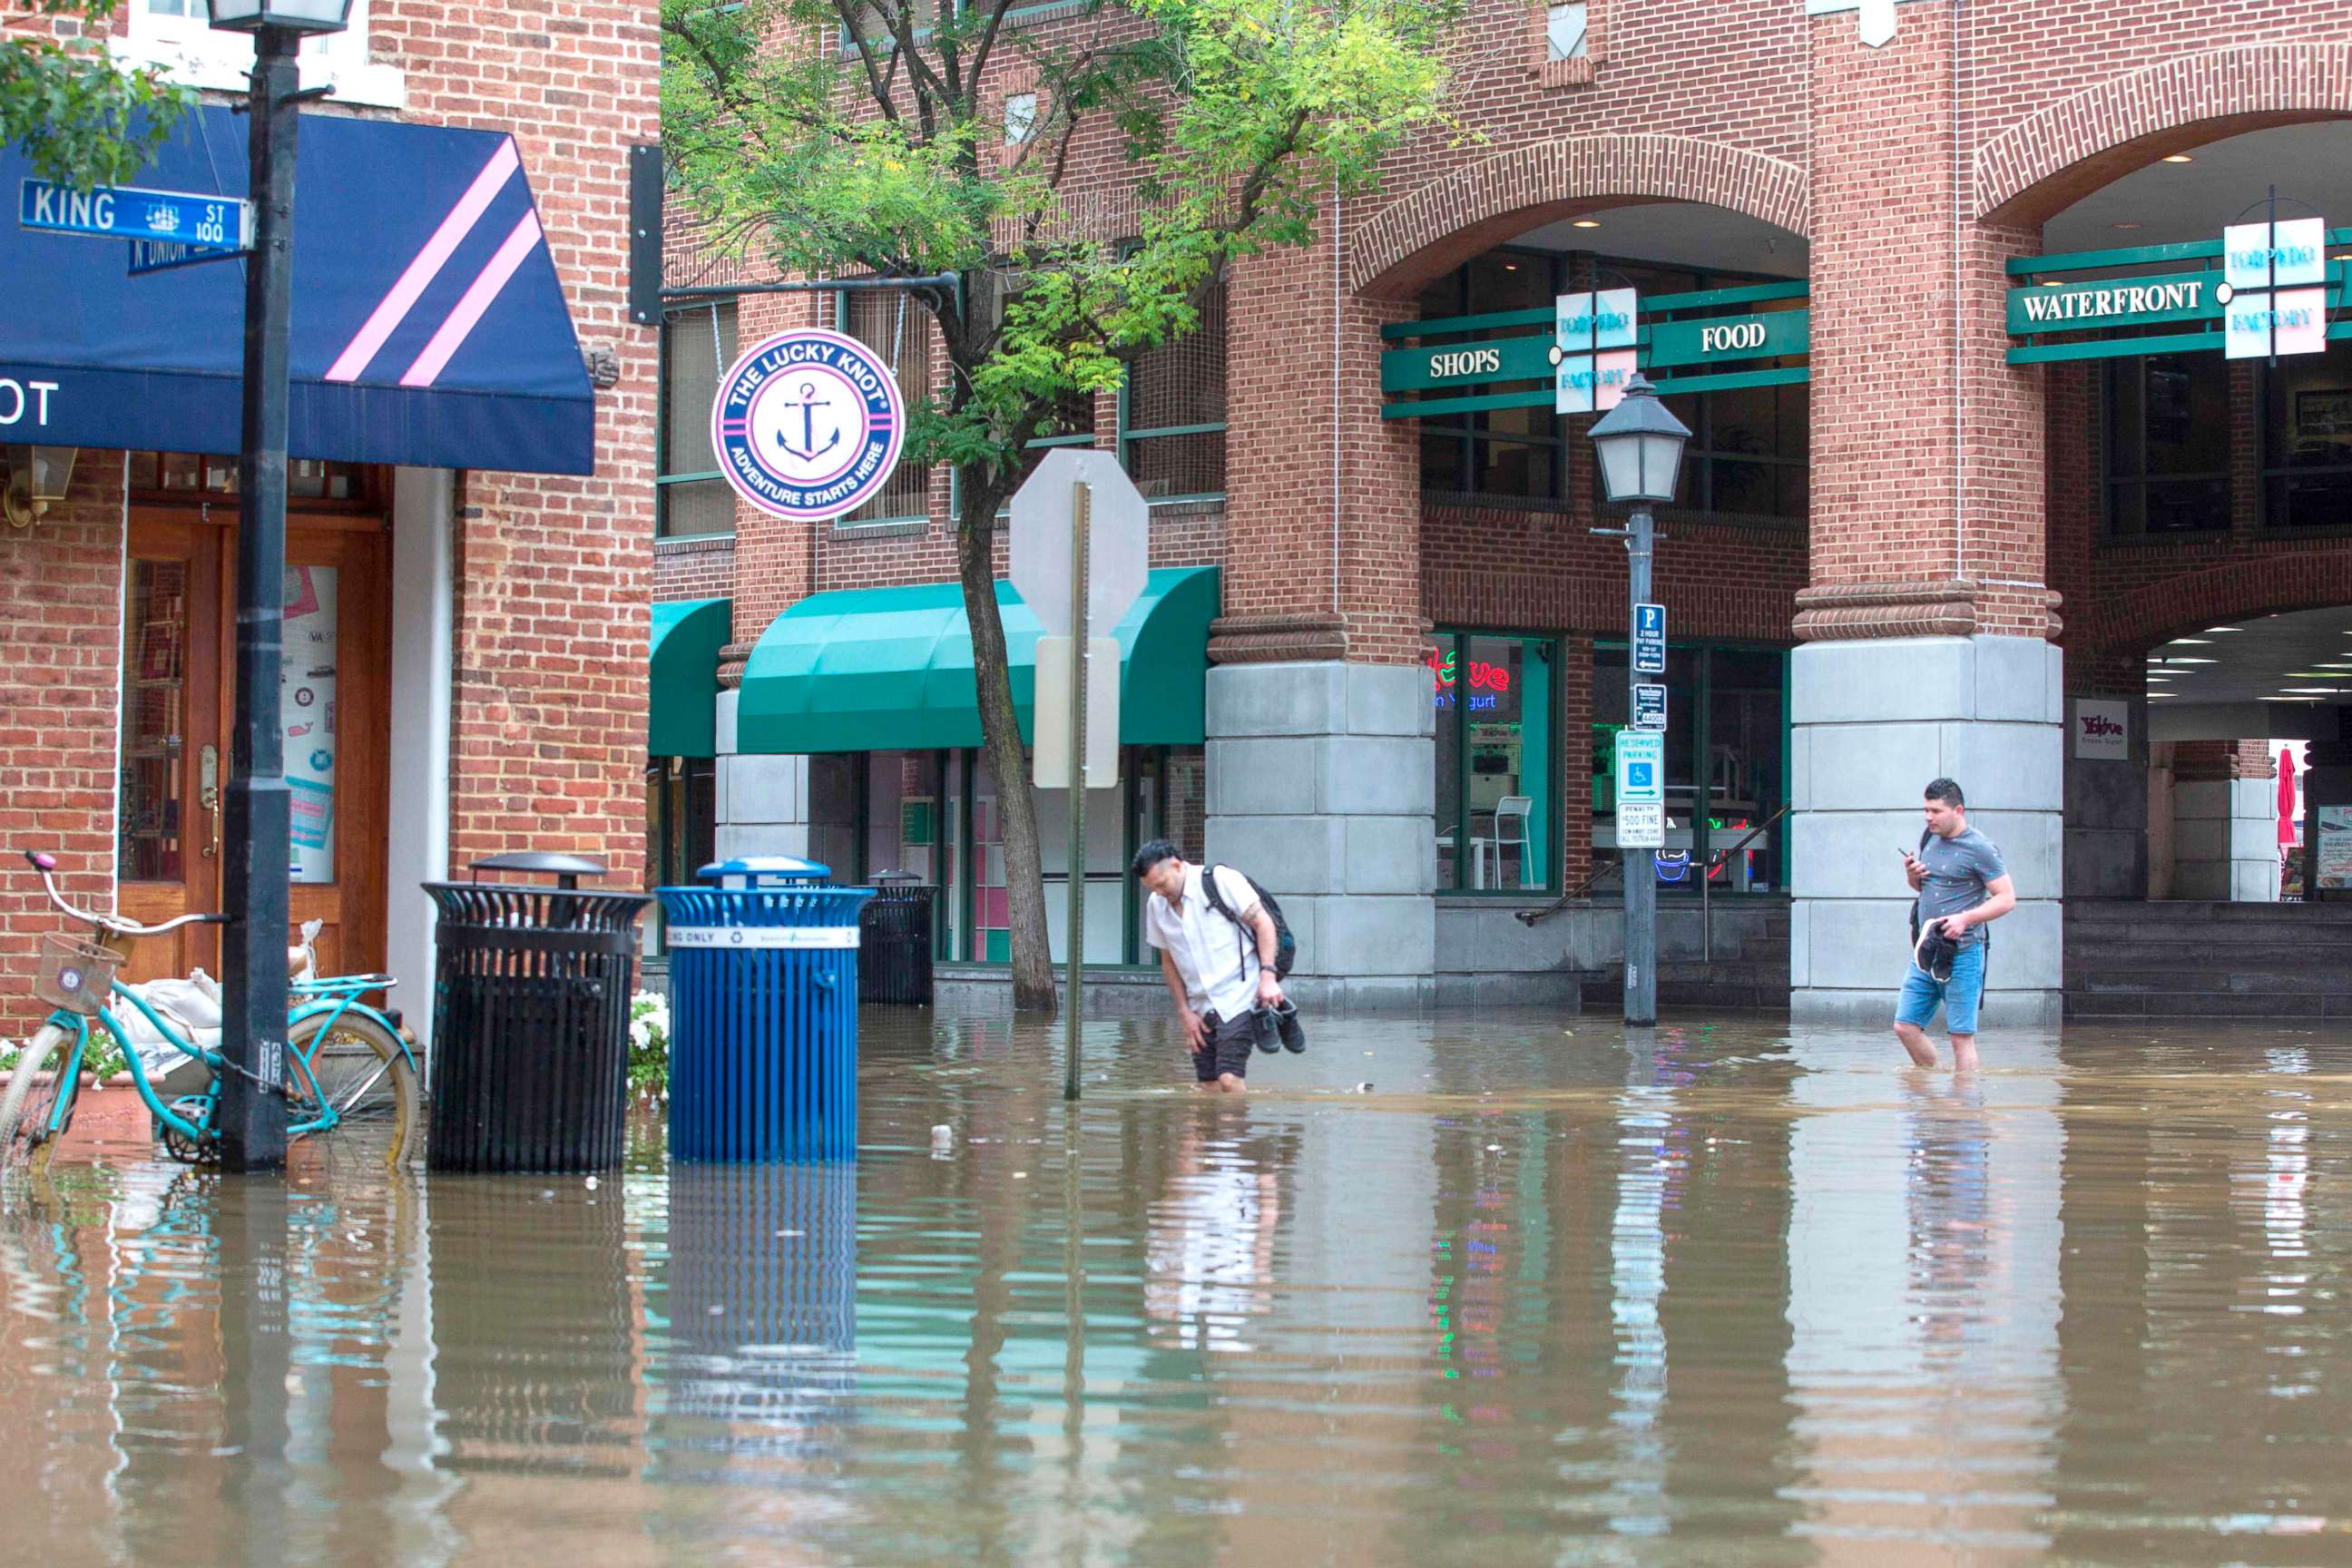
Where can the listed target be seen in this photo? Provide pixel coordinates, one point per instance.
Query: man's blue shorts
(1960, 994)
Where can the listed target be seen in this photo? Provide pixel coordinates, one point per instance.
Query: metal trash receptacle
(764, 1013)
(529, 1056)
(894, 955)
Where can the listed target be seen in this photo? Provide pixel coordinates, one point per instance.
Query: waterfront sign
(127, 211)
(808, 425)
(1649, 706)
(2269, 295)
(1649, 640)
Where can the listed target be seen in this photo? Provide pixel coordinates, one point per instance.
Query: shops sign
(808, 425)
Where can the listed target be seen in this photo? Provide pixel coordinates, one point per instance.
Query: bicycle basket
(76, 976)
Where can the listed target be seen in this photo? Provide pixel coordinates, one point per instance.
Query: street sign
(1050, 768)
(163, 255)
(1641, 766)
(1649, 706)
(1649, 640)
(127, 211)
(1641, 789)
(1119, 533)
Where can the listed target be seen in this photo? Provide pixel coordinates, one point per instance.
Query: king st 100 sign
(808, 425)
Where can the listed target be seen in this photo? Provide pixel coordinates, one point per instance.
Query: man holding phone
(1963, 887)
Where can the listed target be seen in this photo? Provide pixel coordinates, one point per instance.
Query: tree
(81, 121)
(844, 137)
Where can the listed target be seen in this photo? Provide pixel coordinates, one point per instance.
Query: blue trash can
(764, 1013)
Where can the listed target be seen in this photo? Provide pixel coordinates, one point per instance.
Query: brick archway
(2052, 158)
(1471, 210)
(2266, 586)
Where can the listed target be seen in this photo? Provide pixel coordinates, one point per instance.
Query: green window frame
(1462, 757)
(1141, 445)
(695, 502)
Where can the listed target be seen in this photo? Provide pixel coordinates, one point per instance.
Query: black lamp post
(1640, 443)
(253, 830)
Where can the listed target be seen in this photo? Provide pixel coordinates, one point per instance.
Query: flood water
(1739, 1295)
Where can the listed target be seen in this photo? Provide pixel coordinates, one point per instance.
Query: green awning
(876, 670)
(682, 698)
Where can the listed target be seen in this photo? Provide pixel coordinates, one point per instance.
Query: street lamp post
(1640, 444)
(256, 819)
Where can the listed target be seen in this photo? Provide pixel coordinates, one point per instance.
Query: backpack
(1286, 946)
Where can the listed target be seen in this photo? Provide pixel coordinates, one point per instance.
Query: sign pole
(1642, 890)
(1073, 1008)
(253, 951)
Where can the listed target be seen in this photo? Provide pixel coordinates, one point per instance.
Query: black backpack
(1286, 946)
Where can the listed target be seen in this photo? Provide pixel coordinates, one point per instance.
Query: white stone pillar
(761, 802)
(1322, 784)
(1874, 721)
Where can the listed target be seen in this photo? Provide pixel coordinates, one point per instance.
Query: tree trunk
(1016, 803)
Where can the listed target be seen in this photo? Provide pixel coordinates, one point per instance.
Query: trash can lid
(780, 867)
(565, 867)
(887, 877)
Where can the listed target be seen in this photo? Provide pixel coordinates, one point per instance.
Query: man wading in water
(1220, 966)
(1963, 887)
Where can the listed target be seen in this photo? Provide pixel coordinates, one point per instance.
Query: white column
(424, 607)
(1874, 721)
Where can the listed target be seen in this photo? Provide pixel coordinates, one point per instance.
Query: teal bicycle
(349, 1075)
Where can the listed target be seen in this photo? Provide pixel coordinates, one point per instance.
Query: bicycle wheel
(364, 1075)
(26, 1108)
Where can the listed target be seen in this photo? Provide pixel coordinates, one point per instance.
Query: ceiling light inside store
(2126, 226)
(2318, 690)
(2178, 158)
(2211, 630)
(1585, 222)
(2186, 642)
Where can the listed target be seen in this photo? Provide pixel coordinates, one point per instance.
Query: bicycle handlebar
(47, 865)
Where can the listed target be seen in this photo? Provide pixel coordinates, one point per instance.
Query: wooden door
(178, 681)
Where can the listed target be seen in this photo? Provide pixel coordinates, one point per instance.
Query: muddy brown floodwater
(1742, 1294)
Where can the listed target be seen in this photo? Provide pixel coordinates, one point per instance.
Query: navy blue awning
(429, 326)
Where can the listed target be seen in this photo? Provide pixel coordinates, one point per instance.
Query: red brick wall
(549, 697)
(61, 646)
(697, 568)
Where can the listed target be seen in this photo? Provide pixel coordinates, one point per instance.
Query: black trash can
(531, 1019)
(894, 943)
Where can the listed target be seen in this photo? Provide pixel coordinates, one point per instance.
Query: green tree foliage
(834, 139)
(81, 121)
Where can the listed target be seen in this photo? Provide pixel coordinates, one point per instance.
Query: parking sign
(1649, 640)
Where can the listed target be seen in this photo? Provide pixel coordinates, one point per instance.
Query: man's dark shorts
(1228, 1050)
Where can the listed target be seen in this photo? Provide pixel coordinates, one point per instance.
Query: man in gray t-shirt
(1962, 887)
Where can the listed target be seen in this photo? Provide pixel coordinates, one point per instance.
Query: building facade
(470, 501)
(1984, 482)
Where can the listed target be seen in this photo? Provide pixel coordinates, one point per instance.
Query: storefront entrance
(179, 655)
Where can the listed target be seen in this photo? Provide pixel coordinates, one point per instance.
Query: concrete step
(2205, 977)
(2163, 1005)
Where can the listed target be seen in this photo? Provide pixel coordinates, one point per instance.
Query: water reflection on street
(1732, 1293)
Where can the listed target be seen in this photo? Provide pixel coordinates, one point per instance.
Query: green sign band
(1710, 339)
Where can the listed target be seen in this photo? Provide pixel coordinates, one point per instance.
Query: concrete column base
(1322, 784)
(1874, 721)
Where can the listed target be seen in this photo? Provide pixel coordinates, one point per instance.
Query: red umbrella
(2287, 816)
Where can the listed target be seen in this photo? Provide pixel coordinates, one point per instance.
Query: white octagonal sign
(1118, 549)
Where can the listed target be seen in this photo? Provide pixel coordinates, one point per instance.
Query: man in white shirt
(1219, 977)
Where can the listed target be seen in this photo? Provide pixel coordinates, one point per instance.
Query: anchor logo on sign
(808, 404)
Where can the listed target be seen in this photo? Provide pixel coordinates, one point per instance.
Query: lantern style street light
(257, 815)
(1640, 444)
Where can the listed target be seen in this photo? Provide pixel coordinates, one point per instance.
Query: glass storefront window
(155, 721)
(2306, 440)
(1496, 809)
(1725, 724)
(306, 707)
(2167, 445)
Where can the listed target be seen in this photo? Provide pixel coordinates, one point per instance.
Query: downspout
(1338, 217)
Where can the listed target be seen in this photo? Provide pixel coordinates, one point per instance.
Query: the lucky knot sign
(808, 425)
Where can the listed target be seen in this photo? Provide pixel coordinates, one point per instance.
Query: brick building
(1937, 286)
(470, 509)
